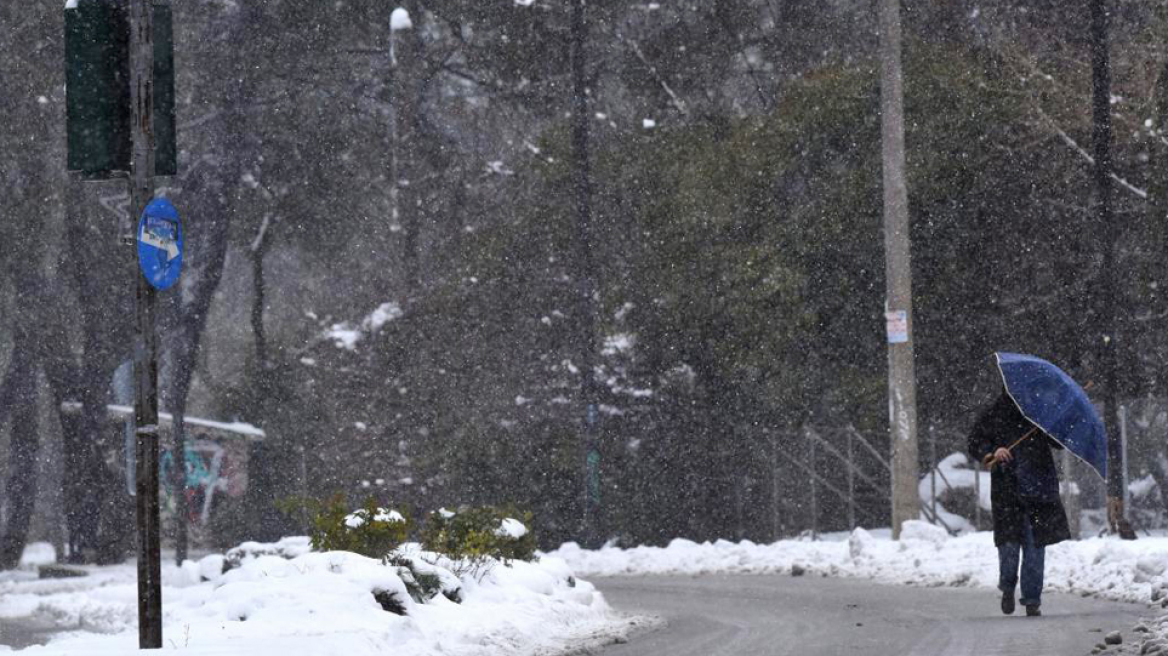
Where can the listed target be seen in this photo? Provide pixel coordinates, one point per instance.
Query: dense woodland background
(423, 208)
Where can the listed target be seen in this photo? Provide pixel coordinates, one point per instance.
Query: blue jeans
(1033, 563)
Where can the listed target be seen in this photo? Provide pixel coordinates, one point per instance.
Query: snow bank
(927, 555)
(318, 603)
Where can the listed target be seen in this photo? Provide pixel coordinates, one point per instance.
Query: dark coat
(1028, 485)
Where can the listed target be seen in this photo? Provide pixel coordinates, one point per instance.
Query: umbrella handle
(989, 461)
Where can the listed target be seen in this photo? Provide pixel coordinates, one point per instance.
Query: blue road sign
(160, 243)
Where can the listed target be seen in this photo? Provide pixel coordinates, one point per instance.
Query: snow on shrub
(287, 548)
(398, 579)
(372, 531)
(424, 579)
(474, 539)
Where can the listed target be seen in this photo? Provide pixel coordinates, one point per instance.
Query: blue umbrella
(1055, 403)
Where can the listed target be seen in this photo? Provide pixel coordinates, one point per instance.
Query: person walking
(1028, 513)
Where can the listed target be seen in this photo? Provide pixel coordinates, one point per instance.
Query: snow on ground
(317, 603)
(926, 555)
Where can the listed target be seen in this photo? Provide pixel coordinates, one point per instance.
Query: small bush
(389, 602)
(424, 581)
(371, 531)
(476, 538)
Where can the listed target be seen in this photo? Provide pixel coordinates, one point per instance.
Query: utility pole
(584, 275)
(145, 364)
(1106, 235)
(119, 119)
(902, 404)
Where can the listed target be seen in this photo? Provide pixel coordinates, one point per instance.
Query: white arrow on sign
(161, 243)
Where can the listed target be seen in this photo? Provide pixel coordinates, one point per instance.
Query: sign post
(119, 63)
(141, 52)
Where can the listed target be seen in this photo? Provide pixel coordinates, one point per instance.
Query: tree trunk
(186, 313)
(585, 276)
(21, 388)
(1157, 208)
(1107, 235)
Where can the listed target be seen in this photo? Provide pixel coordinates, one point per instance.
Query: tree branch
(1074, 145)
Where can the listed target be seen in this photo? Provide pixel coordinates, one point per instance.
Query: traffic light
(97, 76)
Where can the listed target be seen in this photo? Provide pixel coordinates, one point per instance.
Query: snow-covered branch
(1074, 145)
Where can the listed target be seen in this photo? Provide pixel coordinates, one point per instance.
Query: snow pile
(926, 555)
(320, 603)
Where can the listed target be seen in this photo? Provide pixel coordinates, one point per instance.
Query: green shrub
(425, 581)
(371, 531)
(476, 538)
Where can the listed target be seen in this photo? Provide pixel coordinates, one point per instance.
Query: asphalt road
(772, 615)
(21, 632)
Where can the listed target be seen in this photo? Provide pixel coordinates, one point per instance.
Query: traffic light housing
(97, 77)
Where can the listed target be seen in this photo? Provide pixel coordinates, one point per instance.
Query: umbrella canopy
(1051, 400)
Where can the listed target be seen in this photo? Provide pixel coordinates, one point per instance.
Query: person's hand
(1003, 455)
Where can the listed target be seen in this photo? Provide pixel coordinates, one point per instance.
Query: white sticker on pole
(897, 326)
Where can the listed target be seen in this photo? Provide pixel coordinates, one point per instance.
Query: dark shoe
(1033, 611)
(1008, 603)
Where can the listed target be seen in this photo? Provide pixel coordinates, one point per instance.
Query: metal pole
(933, 471)
(774, 487)
(145, 366)
(902, 403)
(1123, 448)
(1072, 497)
(851, 484)
(977, 495)
(814, 492)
